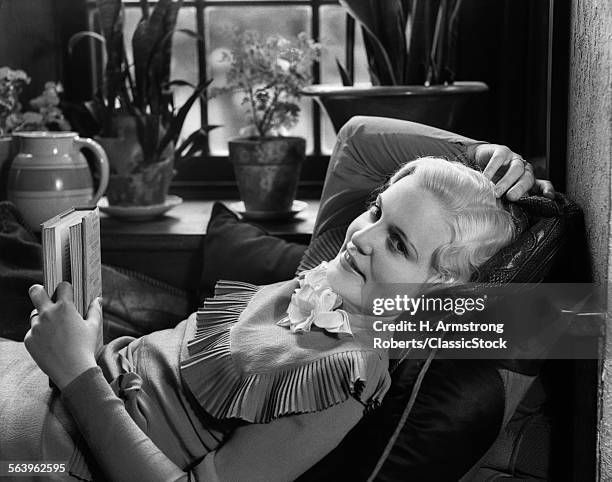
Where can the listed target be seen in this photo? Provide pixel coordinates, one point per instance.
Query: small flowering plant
(270, 73)
(47, 114)
(11, 85)
(314, 303)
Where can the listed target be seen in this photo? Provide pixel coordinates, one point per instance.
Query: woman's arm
(123, 451)
(286, 447)
(280, 450)
(369, 149)
(64, 345)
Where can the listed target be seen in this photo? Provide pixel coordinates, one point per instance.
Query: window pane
(184, 66)
(333, 34)
(225, 110)
(131, 19)
(361, 61)
(328, 135)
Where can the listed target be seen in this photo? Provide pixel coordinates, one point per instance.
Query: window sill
(184, 227)
(214, 190)
(170, 248)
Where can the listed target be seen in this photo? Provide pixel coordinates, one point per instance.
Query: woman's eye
(396, 244)
(375, 211)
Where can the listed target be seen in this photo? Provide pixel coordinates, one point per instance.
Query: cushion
(459, 401)
(240, 251)
(134, 304)
(20, 267)
(439, 419)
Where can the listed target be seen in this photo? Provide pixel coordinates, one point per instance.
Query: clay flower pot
(133, 182)
(267, 171)
(144, 187)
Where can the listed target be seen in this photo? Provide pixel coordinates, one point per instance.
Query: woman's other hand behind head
(512, 175)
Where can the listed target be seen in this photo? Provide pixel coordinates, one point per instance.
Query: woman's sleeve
(122, 450)
(367, 151)
(286, 447)
(279, 450)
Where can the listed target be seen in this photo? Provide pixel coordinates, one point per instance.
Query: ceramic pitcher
(50, 175)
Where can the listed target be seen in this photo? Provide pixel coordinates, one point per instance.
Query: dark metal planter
(267, 171)
(437, 106)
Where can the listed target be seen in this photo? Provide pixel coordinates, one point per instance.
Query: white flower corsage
(314, 303)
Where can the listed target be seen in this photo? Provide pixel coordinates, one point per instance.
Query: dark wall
(504, 43)
(33, 37)
(29, 41)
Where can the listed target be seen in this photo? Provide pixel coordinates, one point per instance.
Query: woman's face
(390, 243)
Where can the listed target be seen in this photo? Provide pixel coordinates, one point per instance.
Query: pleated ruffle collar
(239, 364)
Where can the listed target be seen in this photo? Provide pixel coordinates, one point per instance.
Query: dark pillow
(240, 251)
(458, 409)
(457, 416)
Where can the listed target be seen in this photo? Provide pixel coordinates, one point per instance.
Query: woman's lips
(348, 262)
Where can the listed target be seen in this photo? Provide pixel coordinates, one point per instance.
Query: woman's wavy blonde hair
(480, 226)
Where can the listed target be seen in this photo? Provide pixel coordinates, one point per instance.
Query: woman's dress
(189, 387)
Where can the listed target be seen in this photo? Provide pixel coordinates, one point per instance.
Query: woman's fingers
(94, 317)
(544, 188)
(59, 340)
(518, 178)
(517, 181)
(518, 190)
(498, 156)
(33, 316)
(40, 298)
(94, 312)
(64, 292)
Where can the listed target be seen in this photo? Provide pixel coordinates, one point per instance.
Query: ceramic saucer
(139, 213)
(297, 207)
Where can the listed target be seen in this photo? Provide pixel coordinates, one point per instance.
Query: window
(324, 20)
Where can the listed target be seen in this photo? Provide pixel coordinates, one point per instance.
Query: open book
(71, 252)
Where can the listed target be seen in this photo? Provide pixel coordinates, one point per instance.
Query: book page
(92, 260)
(76, 264)
(56, 253)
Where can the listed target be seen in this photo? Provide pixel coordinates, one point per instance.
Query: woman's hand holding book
(63, 344)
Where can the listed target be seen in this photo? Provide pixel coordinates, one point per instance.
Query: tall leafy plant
(143, 89)
(408, 41)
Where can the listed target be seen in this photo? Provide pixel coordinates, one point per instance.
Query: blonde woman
(263, 382)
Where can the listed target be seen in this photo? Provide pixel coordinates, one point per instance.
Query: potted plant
(11, 85)
(270, 74)
(410, 47)
(137, 121)
(46, 115)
